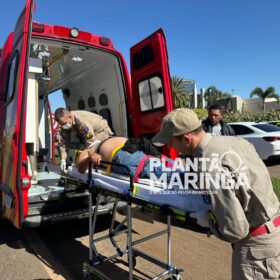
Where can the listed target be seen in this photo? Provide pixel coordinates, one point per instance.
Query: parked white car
(264, 136)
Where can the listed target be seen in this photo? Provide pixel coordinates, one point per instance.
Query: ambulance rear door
(4, 65)
(151, 84)
(15, 181)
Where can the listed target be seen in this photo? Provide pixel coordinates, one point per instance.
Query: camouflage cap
(175, 123)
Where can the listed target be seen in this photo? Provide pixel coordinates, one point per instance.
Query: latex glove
(63, 165)
(202, 218)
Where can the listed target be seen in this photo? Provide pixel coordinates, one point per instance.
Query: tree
(268, 93)
(212, 95)
(180, 92)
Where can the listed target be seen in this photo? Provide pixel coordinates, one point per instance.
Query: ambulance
(38, 60)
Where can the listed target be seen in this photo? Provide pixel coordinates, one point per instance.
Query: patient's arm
(86, 157)
(95, 157)
(83, 161)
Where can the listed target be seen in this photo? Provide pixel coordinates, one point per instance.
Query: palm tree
(181, 94)
(268, 93)
(212, 95)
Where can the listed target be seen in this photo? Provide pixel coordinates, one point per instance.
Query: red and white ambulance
(40, 59)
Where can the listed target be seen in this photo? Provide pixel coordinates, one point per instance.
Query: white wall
(256, 105)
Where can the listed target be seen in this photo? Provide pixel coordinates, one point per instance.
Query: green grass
(276, 186)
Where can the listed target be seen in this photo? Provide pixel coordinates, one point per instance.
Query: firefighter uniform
(245, 211)
(87, 130)
(248, 217)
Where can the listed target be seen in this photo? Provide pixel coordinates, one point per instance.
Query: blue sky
(232, 44)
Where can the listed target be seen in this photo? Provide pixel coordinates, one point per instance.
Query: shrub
(252, 117)
(276, 186)
(272, 116)
(202, 113)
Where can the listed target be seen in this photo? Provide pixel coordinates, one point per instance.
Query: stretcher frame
(95, 258)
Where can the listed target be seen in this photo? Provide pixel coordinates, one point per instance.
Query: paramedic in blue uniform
(80, 129)
(247, 216)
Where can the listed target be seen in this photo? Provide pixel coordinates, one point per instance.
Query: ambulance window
(81, 104)
(12, 78)
(103, 99)
(143, 57)
(151, 94)
(91, 102)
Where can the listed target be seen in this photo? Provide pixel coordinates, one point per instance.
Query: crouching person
(88, 127)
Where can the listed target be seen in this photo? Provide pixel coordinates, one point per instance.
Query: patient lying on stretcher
(113, 150)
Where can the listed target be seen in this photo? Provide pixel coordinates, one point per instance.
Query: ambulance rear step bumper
(37, 220)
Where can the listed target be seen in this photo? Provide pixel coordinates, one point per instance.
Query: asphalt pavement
(17, 260)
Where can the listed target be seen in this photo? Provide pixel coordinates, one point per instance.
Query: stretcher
(144, 194)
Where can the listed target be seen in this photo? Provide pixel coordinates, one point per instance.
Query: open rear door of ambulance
(15, 181)
(151, 93)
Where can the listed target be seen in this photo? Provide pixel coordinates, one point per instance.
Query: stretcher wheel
(87, 275)
(134, 261)
(176, 277)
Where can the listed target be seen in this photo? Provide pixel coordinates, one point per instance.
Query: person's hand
(63, 165)
(202, 218)
(95, 157)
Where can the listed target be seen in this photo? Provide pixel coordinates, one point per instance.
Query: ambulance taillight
(38, 27)
(104, 41)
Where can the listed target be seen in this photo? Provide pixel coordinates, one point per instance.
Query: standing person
(80, 129)
(214, 123)
(247, 216)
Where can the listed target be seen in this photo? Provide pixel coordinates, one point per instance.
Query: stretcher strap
(169, 164)
(142, 164)
(108, 169)
(140, 167)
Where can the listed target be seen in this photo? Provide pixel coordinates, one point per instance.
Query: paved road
(17, 260)
(201, 257)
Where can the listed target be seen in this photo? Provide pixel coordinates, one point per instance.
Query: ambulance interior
(90, 79)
